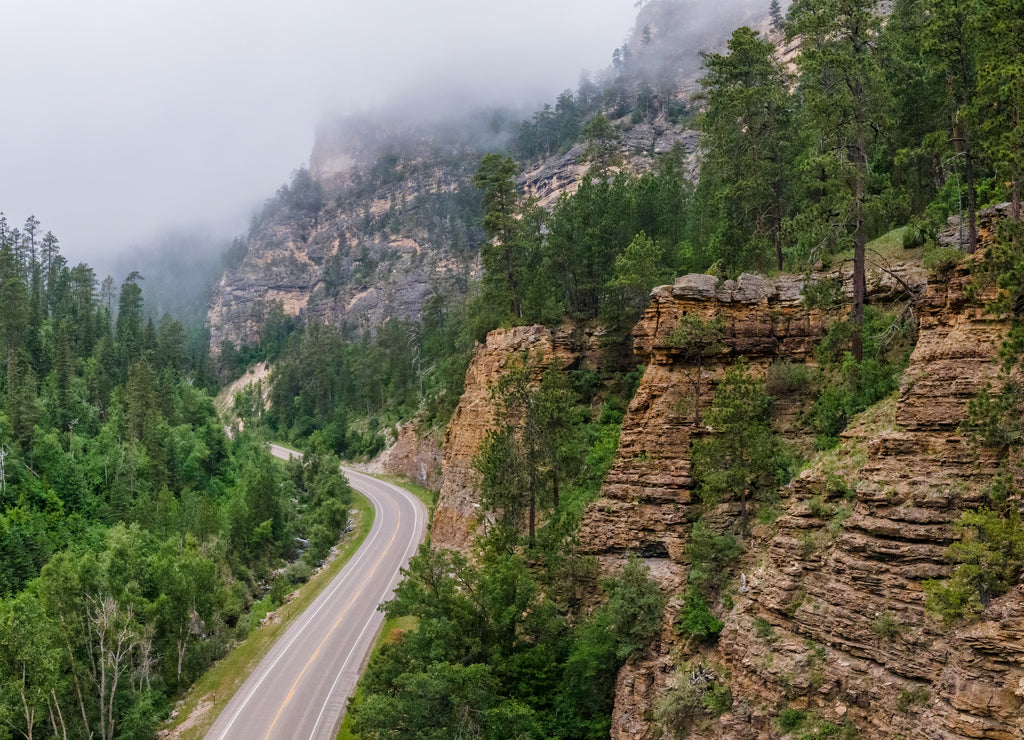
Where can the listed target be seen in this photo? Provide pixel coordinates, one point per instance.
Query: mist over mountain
(136, 119)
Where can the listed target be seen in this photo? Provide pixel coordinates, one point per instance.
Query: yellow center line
(337, 622)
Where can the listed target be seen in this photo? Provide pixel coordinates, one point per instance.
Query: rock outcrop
(645, 499)
(830, 619)
(457, 516)
(383, 218)
(413, 454)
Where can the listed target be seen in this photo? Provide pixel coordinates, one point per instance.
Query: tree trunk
(533, 519)
(859, 239)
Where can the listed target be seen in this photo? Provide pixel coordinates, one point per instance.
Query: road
(302, 686)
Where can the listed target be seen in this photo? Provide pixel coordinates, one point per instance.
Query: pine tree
(502, 258)
(778, 22)
(745, 132)
(844, 105)
(950, 39)
(1001, 91)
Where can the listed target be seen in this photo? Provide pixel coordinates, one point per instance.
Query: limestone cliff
(830, 618)
(457, 515)
(826, 606)
(355, 247)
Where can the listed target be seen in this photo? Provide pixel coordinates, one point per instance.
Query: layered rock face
(645, 499)
(828, 616)
(351, 252)
(383, 219)
(457, 516)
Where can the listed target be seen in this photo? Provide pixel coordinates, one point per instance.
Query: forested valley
(140, 539)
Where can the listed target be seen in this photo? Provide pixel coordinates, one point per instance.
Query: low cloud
(126, 119)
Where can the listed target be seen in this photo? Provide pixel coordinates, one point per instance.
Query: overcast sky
(126, 118)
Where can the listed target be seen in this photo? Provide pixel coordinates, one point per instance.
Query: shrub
(914, 236)
(698, 695)
(989, 559)
(790, 719)
(942, 260)
(717, 700)
(696, 619)
(825, 293)
(915, 697)
(886, 626)
(743, 456)
(819, 508)
(994, 420)
(710, 554)
(851, 386)
(764, 629)
(789, 377)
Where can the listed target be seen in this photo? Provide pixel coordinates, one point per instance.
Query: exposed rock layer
(832, 618)
(457, 516)
(413, 455)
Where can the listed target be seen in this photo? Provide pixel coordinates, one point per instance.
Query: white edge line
(307, 617)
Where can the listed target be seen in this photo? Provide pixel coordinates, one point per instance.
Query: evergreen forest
(140, 538)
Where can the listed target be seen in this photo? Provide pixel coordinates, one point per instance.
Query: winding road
(300, 689)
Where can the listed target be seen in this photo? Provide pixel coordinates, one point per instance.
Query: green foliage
(639, 268)
(718, 700)
(696, 336)
(994, 419)
(505, 259)
(988, 560)
(942, 260)
(593, 256)
(602, 141)
(790, 719)
(699, 694)
(696, 620)
(126, 509)
(635, 607)
(886, 626)
(532, 453)
(849, 386)
(915, 697)
(824, 293)
(487, 640)
(790, 377)
(710, 555)
(742, 456)
(746, 137)
(764, 629)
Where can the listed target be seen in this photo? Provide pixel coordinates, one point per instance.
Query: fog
(125, 119)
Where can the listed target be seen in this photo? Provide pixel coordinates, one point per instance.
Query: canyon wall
(825, 613)
(458, 516)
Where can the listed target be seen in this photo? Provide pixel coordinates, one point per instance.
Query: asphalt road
(302, 686)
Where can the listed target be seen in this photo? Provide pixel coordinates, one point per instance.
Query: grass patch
(428, 497)
(894, 244)
(222, 680)
(890, 247)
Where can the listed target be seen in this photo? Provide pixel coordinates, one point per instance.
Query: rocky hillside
(386, 212)
(824, 615)
(858, 533)
(355, 246)
(360, 245)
